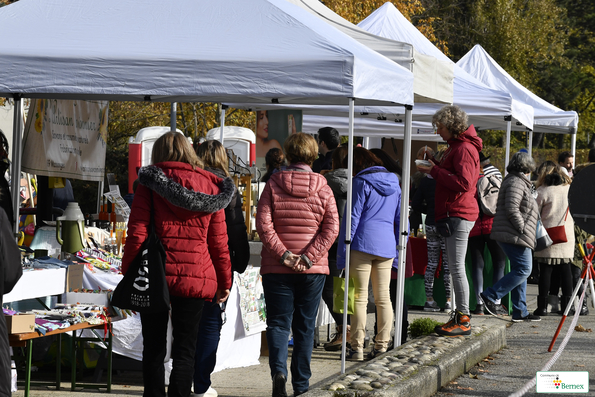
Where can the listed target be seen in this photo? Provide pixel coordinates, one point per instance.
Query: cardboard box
(74, 277)
(89, 298)
(20, 323)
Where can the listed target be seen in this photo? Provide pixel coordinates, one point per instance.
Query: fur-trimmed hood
(177, 195)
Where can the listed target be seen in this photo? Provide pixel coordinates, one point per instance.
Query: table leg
(73, 362)
(28, 367)
(109, 361)
(59, 363)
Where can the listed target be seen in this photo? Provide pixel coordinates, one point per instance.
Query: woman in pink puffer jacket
(297, 221)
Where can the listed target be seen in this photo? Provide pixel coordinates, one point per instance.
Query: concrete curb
(429, 378)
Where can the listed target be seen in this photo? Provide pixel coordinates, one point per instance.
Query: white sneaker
(209, 393)
(448, 307)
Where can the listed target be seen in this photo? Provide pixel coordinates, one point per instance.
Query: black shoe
(528, 317)
(501, 310)
(299, 393)
(490, 306)
(584, 308)
(478, 309)
(279, 381)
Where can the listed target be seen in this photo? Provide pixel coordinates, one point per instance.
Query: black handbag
(144, 287)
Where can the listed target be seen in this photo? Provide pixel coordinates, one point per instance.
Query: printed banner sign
(66, 139)
(564, 382)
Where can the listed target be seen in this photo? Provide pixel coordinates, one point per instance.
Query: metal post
(508, 120)
(573, 146)
(223, 109)
(17, 152)
(174, 117)
(403, 225)
(347, 220)
(366, 142)
(530, 144)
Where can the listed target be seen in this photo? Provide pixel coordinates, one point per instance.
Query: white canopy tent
(433, 76)
(548, 118)
(263, 51)
(366, 127)
(487, 107)
(432, 84)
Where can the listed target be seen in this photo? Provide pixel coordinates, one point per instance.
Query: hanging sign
(66, 139)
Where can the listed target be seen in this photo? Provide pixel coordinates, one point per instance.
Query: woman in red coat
(297, 221)
(456, 176)
(188, 205)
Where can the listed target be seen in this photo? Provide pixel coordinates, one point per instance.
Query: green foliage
(422, 326)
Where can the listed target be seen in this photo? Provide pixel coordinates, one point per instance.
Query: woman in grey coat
(514, 229)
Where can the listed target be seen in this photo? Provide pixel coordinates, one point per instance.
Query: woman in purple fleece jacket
(375, 220)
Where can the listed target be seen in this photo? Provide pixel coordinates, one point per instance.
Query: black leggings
(561, 272)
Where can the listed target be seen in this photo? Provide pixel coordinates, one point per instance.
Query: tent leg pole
(174, 116)
(573, 147)
(508, 120)
(403, 226)
(347, 220)
(223, 109)
(17, 149)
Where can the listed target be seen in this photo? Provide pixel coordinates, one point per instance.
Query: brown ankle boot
(337, 340)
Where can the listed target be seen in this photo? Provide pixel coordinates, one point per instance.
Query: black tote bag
(144, 287)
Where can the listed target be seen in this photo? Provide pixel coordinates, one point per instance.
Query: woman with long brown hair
(187, 205)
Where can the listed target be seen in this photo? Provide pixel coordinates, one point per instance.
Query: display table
(26, 340)
(37, 283)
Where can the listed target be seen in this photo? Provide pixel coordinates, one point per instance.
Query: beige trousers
(362, 266)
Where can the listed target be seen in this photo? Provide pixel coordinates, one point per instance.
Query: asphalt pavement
(498, 374)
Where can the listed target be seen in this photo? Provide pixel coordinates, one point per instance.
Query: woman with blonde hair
(297, 222)
(186, 204)
(216, 161)
(552, 201)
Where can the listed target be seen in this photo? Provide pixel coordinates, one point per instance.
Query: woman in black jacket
(215, 160)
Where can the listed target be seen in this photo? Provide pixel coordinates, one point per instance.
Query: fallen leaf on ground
(580, 328)
(473, 376)
(464, 388)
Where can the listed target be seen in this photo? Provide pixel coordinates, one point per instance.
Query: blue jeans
(209, 334)
(292, 302)
(514, 282)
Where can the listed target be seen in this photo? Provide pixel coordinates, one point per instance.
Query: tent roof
(548, 118)
(486, 107)
(420, 131)
(433, 76)
(187, 50)
(232, 132)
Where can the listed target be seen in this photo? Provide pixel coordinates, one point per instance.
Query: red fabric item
(417, 257)
(297, 213)
(456, 177)
(197, 262)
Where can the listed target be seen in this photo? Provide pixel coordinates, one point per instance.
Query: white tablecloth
(235, 349)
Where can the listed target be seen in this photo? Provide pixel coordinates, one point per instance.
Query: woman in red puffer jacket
(187, 205)
(297, 221)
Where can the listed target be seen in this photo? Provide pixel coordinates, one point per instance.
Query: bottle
(420, 231)
(102, 210)
(123, 243)
(112, 217)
